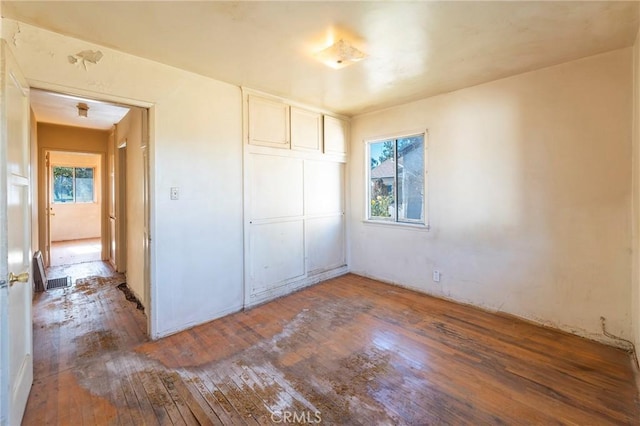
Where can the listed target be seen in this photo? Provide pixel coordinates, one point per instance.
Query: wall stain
(85, 58)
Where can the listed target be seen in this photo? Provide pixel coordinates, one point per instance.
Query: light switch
(175, 193)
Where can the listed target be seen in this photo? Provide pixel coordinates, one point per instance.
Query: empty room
(274, 212)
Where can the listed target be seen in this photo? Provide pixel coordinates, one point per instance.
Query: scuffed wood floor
(347, 351)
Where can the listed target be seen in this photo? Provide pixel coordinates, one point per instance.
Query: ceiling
(63, 109)
(415, 49)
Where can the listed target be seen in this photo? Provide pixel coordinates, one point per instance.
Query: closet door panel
(276, 254)
(335, 135)
(306, 130)
(325, 243)
(276, 187)
(268, 123)
(323, 187)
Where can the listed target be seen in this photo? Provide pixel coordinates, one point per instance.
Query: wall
(529, 185)
(82, 220)
(130, 129)
(196, 142)
(53, 137)
(635, 212)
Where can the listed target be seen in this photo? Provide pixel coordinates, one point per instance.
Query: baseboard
(294, 285)
(174, 330)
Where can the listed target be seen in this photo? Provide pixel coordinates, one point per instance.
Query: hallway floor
(347, 351)
(75, 251)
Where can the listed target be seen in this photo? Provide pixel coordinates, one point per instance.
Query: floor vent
(58, 282)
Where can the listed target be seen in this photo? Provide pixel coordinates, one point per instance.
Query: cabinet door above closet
(335, 135)
(306, 130)
(268, 123)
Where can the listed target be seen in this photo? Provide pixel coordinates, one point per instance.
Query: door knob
(22, 278)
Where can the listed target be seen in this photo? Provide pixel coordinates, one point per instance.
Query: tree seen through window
(396, 177)
(73, 184)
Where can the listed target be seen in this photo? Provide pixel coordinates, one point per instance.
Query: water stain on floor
(95, 343)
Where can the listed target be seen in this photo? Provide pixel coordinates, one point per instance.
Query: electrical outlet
(175, 193)
(436, 276)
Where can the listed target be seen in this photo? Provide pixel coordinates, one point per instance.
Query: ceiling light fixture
(83, 109)
(340, 55)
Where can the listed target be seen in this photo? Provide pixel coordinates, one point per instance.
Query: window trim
(53, 198)
(394, 222)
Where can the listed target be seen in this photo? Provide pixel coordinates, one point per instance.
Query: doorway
(92, 172)
(75, 207)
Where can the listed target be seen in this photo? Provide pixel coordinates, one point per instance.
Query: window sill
(401, 225)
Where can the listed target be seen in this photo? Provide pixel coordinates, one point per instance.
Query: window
(396, 180)
(73, 184)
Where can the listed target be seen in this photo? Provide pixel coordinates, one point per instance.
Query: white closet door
(325, 243)
(306, 130)
(268, 123)
(276, 225)
(276, 254)
(335, 135)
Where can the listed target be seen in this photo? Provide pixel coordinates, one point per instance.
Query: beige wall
(73, 221)
(635, 212)
(67, 138)
(130, 129)
(529, 189)
(52, 137)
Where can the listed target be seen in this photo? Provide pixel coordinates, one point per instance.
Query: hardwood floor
(75, 251)
(347, 351)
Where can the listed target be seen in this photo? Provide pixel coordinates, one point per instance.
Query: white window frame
(53, 198)
(394, 222)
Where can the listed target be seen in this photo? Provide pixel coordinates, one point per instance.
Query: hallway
(75, 329)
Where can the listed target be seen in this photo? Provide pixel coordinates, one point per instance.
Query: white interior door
(15, 244)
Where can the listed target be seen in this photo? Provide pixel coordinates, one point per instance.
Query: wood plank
(198, 406)
(217, 400)
(169, 381)
(143, 408)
